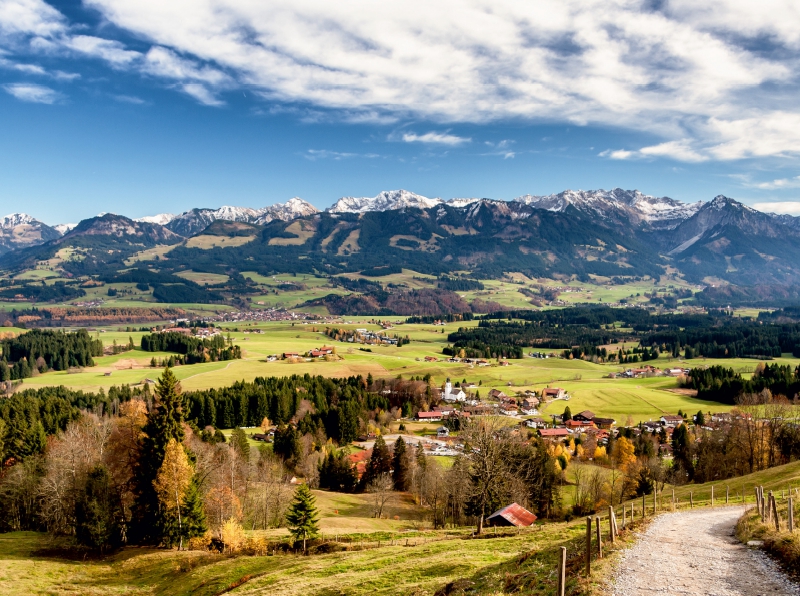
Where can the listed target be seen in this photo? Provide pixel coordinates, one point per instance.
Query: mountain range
(616, 233)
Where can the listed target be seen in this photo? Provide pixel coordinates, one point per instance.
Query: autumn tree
(172, 483)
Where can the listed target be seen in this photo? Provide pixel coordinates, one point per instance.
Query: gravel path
(697, 553)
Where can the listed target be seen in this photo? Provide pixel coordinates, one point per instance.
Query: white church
(451, 397)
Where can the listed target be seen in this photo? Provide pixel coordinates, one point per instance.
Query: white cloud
(698, 76)
(202, 94)
(435, 138)
(315, 154)
(779, 184)
(32, 93)
(111, 51)
(132, 99)
(679, 150)
(779, 207)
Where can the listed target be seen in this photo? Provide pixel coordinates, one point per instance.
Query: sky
(141, 107)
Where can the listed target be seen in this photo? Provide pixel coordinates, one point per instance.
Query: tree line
(40, 350)
(194, 349)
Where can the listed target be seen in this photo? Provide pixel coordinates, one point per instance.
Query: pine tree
(194, 515)
(379, 463)
(400, 465)
(240, 443)
(567, 415)
(164, 423)
(302, 516)
(95, 513)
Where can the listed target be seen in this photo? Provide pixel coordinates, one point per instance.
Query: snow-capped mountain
(20, 230)
(638, 208)
(16, 219)
(161, 219)
(64, 228)
(465, 202)
(291, 209)
(385, 201)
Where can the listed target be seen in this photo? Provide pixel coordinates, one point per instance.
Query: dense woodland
(582, 330)
(39, 351)
(194, 349)
(724, 385)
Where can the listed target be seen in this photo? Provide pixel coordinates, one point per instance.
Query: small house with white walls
(450, 396)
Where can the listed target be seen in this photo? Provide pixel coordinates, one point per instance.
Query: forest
(194, 349)
(724, 385)
(38, 351)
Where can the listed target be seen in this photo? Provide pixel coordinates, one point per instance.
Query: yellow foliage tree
(173, 480)
(599, 452)
(232, 535)
(622, 455)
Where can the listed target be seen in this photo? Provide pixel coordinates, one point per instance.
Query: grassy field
(625, 400)
(409, 560)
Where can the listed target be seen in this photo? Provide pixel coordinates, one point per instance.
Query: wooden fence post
(624, 511)
(777, 520)
(588, 546)
(562, 570)
(712, 495)
(644, 508)
(599, 537)
(610, 524)
(791, 513)
(655, 501)
(727, 494)
(691, 500)
(673, 499)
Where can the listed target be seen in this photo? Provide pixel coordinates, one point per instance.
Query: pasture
(625, 400)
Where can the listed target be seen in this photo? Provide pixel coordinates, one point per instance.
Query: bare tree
(382, 490)
(486, 454)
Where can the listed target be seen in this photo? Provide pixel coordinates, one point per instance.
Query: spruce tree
(95, 513)
(379, 463)
(194, 515)
(240, 443)
(400, 465)
(164, 422)
(302, 516)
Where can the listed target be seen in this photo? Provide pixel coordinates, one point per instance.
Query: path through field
(696, 553)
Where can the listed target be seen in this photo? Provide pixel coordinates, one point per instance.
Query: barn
(511, 515)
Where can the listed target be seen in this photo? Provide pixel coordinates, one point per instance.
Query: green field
(625, 400)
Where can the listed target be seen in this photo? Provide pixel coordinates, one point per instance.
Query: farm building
(511, 515)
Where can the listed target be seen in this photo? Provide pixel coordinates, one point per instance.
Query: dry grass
(206, 242)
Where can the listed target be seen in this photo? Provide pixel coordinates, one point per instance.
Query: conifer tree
(95, 514)
(400, 465)
(240, 443)
(302, 515)
(164, 423)
(379, 463)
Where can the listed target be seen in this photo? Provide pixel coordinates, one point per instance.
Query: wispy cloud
(32, 93)
(435, 138)
(202, 94)
(778, 184)
(681, 150)
(501, 148)
(132, 99)
(779, 207)
(695, 76)
(315, 154)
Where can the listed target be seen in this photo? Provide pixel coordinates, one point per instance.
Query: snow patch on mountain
(385, 201)
(291, 209)
(64, 228)
(161, 219)
(662, 212)
(16, 219)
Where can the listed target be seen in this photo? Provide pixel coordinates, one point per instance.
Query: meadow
(625, 400)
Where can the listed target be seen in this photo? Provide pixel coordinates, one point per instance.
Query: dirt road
(696, 553)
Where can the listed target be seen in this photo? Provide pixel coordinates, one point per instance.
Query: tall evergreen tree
(302, 516)
(240, 443)
(400, 465)
(379, 463)
(95, 514)
(164, 423)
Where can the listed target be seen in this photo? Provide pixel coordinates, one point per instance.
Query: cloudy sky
(146, 106)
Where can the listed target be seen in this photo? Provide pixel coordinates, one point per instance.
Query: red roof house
(511, 515)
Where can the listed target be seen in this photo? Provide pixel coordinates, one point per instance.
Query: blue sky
(140, 107)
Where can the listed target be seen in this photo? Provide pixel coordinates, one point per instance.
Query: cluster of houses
(649, 371)
(316, 353)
